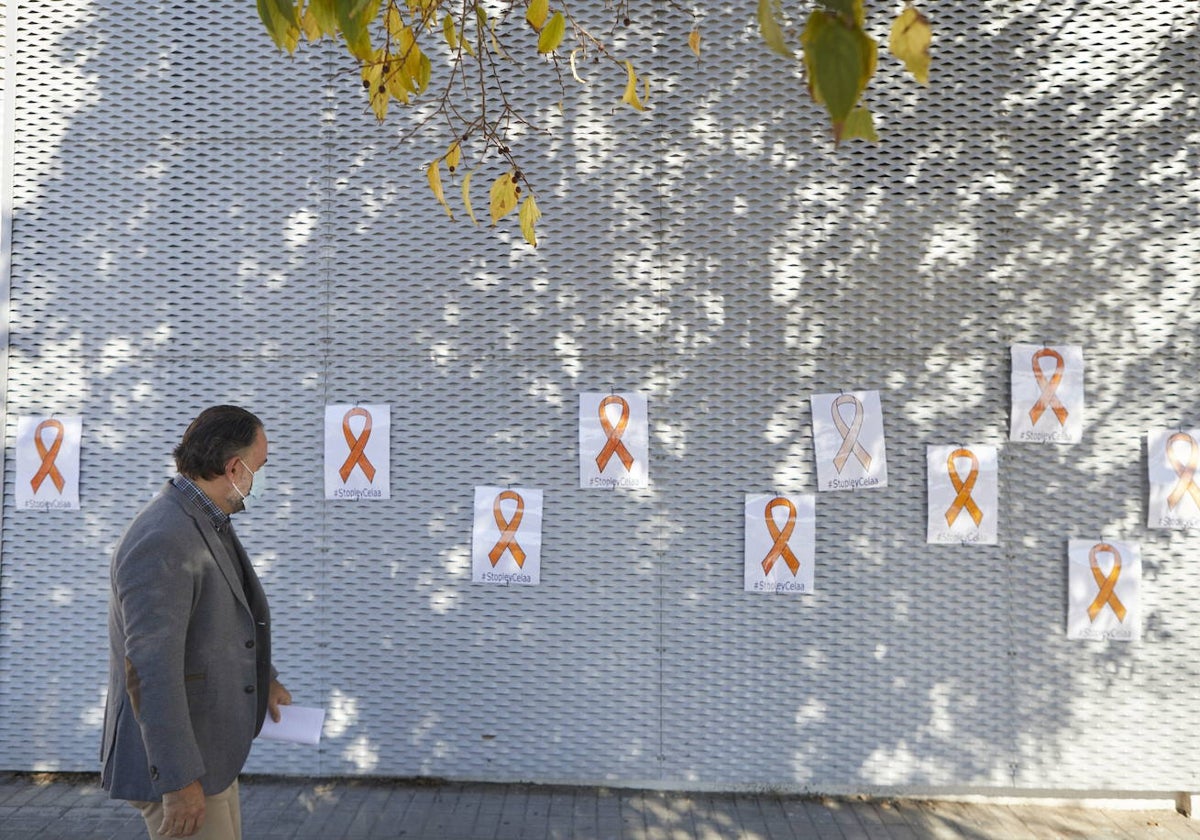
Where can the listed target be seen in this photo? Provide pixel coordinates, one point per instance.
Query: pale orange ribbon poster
(772, 537)
(848, 439)
(506, 537)
(780, 536)
(358, 452)
(963, 488)
(614, 440)
(1047, 393)
(849, 432)
(1185, 470)
(1103, 605)
(47, 463)
(48, 455)
(358, 445)
(1172, 463)
(508, 528)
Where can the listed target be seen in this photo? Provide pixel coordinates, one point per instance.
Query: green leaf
(552, 33)
(325, 14)
(861, 125)
(354, 17)
(851, 10)
(771, 31)
(279, 24)
(286, 9)
(840, 59)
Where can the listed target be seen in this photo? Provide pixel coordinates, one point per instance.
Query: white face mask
(258, 486)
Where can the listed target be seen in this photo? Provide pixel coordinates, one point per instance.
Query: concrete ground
(73, 807)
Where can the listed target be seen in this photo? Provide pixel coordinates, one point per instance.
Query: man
(190, 676)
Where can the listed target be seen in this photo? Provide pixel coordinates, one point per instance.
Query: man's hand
(183, 811)
(276, 697)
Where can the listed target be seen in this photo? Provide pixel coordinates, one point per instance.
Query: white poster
(781, 533)
(614, 440)
(1174, 456)
(963, 494)
(357, 451)
(48, 463)
(506, 540)
(1047, 393)
(1103, 591)
(848, 439)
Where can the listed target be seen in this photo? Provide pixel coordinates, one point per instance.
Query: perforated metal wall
(199, 220)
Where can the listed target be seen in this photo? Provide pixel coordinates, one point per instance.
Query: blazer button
(249, 689)
(249, 643)
(154, 773)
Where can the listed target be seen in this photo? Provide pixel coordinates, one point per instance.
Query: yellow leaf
(552, 33)
(453, 156)
(398, 85)
(377, 89)
(504, 196)
(450, 32)
(434, 174)
(694, 42)
(529, 216)
(861, 125)
(536, 14)
(466, 195)
(575, 72)
(631, 96)
(392, 21)
(310, 26)
(772, 32)
(909, 42)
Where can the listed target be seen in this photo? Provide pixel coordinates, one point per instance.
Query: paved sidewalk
(72, 807)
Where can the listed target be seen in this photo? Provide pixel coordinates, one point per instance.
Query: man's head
(221, 451)
(219, 435)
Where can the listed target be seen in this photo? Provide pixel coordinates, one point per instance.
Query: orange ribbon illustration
(1107, 584)
(358, 445)
(850, 433)
(1048, 398)
(508, 529)
(1186, 485)
(613, 445)
(963, 489)
(48, 468)
(780, 536)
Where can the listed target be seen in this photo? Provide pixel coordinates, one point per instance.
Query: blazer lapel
(227, 564)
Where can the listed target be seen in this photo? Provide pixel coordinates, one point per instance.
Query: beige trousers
(222, 816)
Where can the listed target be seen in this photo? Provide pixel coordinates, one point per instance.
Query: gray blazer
(190, 663)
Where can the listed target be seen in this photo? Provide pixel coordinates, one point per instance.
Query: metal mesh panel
(199, 220)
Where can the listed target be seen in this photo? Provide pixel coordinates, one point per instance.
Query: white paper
(1174, 468)
(1103, 592)
(357, 452)
(297, 725)
(614, 440)
(963, 494)
(780, 543)
(47, 469)
(848, 439)
(506, 539)
(1047, 393)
